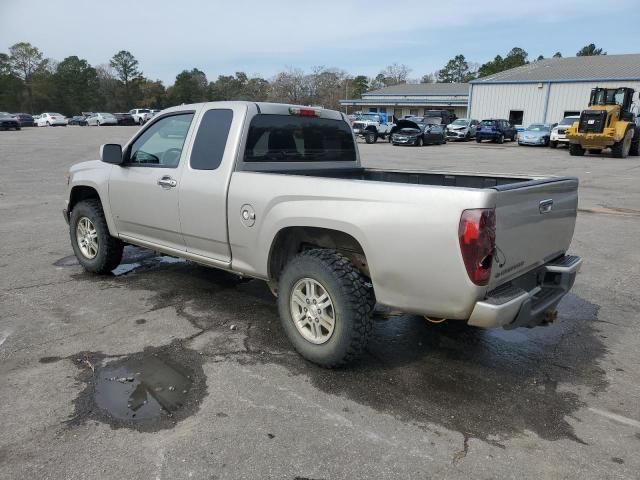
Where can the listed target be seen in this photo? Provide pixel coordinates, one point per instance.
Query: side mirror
(111, 153)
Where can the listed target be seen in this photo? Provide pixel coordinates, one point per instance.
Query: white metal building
(548, 90)
(413, 99)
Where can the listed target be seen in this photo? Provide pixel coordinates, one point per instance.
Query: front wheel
(96, 250)
(419, 142)
(501, 139)
(553, 144)
(478, 140)
(371, 137)
(576, 150)
(324, 306)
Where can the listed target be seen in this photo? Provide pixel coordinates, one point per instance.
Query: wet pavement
(166, 369)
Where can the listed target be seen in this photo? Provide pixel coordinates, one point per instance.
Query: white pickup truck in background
(141, 115)
(278, 193)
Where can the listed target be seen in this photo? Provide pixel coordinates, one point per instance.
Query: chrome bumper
(511, 307)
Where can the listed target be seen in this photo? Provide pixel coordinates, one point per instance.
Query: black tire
(389, 138)
(478, 140)
(110, 248)
(371, 137)
(18, 128)
(595, 151)
(634, 151)
(501, 139)
(352, 299)
(467, 137)
(419, 142)
(576, 150)
(553, 144)
(622, 148)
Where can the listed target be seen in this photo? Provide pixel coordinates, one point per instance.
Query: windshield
(488, 123)
(537, 127)
(56, 115)
(433, 120)
(289, 138)
(568, 121)
(461, 121)
(107, 115)
(144, 111)
(372, 117)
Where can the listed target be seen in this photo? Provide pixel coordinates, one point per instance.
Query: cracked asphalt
(426, 401)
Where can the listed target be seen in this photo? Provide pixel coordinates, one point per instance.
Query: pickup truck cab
(278, 193)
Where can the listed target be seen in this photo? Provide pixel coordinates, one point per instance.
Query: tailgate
(534, 224)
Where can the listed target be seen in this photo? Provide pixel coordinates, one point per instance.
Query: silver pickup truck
(277, 193)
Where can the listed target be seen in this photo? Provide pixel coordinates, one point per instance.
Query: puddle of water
(124, 268)
(146, 391)
(141, 388)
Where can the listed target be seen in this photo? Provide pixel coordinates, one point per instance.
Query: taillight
(304, 112)
(477, 236)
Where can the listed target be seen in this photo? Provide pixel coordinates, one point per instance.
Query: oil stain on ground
(148, 391)
(489, 385)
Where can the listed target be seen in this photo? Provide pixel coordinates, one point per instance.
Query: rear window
(489, 123)
(290, 138)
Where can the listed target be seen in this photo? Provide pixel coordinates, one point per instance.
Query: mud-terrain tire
(371, 137)
(351, 298)
(109, 249)
(576, 150)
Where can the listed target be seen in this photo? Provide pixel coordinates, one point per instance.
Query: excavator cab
(609, 122)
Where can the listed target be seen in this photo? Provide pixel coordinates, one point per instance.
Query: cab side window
(161, 144)
(211, 139)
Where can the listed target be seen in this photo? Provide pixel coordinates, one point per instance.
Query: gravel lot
(427, 401)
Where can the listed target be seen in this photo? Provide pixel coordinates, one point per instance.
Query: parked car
(439, 117)
(462, 129)
(535, 134)
(277, 192)
(25, 120)
(140, 115)
(559, 132)
(79, 120)
(50, 119)
(409, 132)
(124, 119)
(102, 118)
(496, 130)
(8, 121)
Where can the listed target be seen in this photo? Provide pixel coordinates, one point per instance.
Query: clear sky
(361, 37)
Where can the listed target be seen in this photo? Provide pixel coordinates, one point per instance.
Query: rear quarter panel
(409, 233)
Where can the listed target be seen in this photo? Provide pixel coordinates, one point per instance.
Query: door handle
(167, 182)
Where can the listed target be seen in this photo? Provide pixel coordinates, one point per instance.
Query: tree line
(33, 83)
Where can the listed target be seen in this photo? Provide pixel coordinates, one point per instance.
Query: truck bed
(443, 179)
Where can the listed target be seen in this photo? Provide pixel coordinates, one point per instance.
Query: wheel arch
(291, 240)
(82, 192)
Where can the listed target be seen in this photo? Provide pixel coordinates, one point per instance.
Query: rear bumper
(511, 307)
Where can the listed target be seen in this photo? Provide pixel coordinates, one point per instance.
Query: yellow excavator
(608, 122)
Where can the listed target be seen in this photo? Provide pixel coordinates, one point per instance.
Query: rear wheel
(324, 306)
(419, 142)
(576, 150)
(478, 140)
(622, 148)
(97, 251)
(553, 144)
(635, 144)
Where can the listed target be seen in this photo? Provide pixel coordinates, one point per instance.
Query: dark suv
(496, 130)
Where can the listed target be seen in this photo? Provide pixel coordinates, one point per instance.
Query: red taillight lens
(477, 236)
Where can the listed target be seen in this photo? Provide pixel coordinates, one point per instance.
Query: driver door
(143, 191)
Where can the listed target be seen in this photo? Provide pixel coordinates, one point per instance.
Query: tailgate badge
(546, 206)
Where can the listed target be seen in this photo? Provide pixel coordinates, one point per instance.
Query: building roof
(571, 69)
(423, 89)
